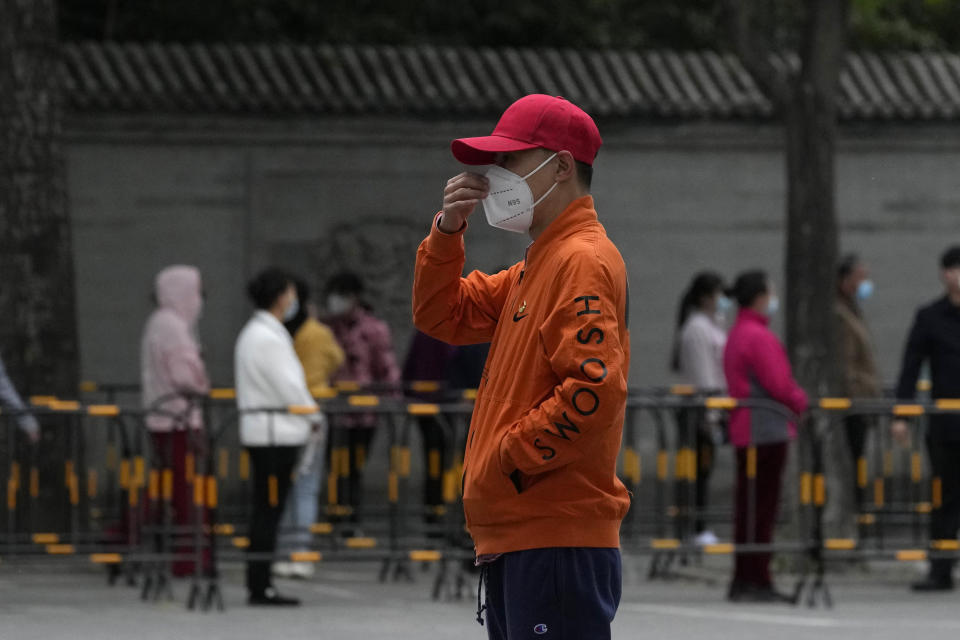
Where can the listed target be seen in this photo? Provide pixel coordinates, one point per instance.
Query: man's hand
(900, 431)
(30, 427)
(460, 198)
(319, 423)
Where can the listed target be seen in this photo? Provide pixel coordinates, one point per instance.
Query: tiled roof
(287, 79)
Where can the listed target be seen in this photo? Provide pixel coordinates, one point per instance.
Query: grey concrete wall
(232, 197)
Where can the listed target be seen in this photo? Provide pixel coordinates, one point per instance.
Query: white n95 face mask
(509, 204)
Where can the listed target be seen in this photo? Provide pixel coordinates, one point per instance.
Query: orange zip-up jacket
(541, 454)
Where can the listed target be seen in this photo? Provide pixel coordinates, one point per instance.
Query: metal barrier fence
(112, 495)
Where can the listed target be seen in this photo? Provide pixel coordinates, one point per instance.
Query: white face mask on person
(338, 305)
(509, 203)
(291, 310)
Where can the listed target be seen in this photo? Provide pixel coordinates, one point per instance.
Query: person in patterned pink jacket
(756, 367)
(370, 360)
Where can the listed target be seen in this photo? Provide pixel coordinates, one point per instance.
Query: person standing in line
(269, 379)
(370, 360)
(173, 377)
(429, 359)
(861, 379)
(935, 338)
(11, 401)
(320, 356)
(756, 367)
(698, 358)
(540, 490)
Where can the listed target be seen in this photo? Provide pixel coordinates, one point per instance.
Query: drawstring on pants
(480, 606)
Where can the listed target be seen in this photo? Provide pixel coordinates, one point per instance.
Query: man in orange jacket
(540, 492)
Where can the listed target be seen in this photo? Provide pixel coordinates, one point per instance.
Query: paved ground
(345, 601)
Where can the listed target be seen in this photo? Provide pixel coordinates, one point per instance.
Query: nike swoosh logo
(518, 318)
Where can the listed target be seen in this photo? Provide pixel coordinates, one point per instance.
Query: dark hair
(584, 174)
(303, 295)
(345, 283)
(847, 265)
(950, 258)
(704, 284)
(267, 286)
(749, 286)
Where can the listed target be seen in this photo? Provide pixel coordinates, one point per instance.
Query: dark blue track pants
(564, 593)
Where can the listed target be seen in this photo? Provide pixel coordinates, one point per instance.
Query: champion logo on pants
(540, 629)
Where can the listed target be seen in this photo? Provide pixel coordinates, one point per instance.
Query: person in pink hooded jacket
(172, 375)
(756, 367)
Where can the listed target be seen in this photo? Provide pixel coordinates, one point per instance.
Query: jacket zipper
(472, 433)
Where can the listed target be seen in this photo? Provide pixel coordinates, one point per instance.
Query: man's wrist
(441, 218)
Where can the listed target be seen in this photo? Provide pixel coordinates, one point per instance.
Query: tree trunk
(811, 255)
(37, 305)
(807, 102)
(812, 246)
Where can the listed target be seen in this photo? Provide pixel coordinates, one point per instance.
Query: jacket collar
(270, 321)
(749, 315)
(849, 304)
(578, 214)
(947, 305)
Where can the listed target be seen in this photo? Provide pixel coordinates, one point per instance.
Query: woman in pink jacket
(756, 367)
(172, 374)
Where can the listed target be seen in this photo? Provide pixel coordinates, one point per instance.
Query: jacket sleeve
(916, 351)
(282, 370)
(383, 360)
(449, 307)
(698, 357)
(319, 354)
(10, 400)
(771, 368)
(581, 339)
(186, 369)
(848, 351)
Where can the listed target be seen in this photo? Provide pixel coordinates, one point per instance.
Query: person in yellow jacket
(315, 344)
(321, 356)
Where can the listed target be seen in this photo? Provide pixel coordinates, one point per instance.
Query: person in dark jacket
(454, 369)
(935, 338)
(427, 362)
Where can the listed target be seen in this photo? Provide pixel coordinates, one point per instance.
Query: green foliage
(676, 24)
(906, 24)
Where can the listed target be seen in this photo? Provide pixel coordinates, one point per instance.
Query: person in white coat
(269, 380)
(698, 358)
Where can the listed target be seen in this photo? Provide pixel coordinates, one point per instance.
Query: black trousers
(566, 593)
(856, 428)
(271, 465)
(435, 460)
(945, 521)
(695, 433)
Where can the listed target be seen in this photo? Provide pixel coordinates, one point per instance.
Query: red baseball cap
(535, 121)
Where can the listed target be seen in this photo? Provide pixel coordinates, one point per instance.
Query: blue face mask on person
(865, 290)
(291, 311)
(724, 304)
(773, 306)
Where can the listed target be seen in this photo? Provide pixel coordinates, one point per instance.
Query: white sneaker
(302, 570)
(706, 538)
